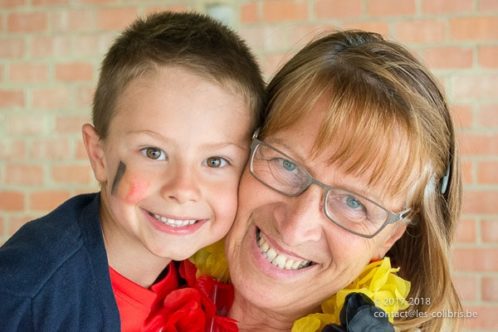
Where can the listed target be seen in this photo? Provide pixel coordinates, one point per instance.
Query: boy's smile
(170, 166)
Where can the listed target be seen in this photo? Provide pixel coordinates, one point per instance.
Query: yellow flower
(378, 281)
(211, 261)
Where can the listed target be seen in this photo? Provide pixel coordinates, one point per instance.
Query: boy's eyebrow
(167, 140)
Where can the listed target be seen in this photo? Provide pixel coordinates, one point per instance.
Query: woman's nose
(182, 185)
(300, 219)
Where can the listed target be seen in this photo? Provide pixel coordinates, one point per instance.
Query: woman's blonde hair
(385, 113)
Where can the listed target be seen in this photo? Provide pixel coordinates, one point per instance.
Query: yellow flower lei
(378, 281)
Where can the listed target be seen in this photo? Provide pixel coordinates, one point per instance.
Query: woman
(356, 161)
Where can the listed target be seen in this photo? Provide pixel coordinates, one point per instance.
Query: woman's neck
(252, 318)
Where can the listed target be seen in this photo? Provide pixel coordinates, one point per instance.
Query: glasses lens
(278, 171)
(354, 212)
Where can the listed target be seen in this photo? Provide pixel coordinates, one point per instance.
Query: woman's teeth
(174, 222)
(280, 260)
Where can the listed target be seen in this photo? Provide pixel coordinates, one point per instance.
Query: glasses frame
(392, 217)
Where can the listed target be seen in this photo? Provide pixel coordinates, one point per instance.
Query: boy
(178, 97)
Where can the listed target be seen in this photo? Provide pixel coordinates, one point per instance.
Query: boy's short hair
(194, 41)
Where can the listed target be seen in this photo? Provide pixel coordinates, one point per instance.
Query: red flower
(199, 307)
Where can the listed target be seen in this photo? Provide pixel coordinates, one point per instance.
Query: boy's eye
(216, 162)
(154, 153)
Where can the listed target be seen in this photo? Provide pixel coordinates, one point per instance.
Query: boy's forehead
(176, 93)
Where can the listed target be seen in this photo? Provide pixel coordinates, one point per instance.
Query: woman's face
(312, 257)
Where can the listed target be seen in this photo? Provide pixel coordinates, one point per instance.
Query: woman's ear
(95, 151)
(399, 230)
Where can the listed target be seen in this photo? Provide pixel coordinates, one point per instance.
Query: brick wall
(50, 52)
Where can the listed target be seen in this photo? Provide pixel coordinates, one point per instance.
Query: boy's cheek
(130, 187)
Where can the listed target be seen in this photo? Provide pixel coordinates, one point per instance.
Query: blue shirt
(54, 274)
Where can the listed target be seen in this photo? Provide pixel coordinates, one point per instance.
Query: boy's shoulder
(42, 247)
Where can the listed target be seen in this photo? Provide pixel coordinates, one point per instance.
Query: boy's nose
(182, 187)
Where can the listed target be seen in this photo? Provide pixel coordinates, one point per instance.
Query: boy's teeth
(280, 260)
(175, 222)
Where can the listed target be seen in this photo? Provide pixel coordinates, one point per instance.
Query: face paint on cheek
(135, 191)
(117, 179)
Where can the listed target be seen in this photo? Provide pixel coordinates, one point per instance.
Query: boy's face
(171, 164)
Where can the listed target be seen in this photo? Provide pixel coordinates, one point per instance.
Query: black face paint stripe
(118, 177)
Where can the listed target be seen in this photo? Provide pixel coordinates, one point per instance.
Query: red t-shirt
(136, 302)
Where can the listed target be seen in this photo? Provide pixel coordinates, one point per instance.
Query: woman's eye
(154, 153)
(216, 162)
(353, 203)
(286, 164)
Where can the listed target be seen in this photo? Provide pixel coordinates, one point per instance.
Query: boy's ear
(95, 151)
(398, 232)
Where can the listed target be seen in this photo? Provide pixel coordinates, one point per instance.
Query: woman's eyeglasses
(353, 212)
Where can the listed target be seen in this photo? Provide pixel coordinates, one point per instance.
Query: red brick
(390, 7)
(12, 3)
(70, 124)
(467, 172)
(490, 289)
(486, 320)
(51, 98)
(11, 201)
(466, 231)
(74, 72)
(478, 144)
(487, 172)
(273, 61)
(11, 98)
(488, 5)
(28, 72)
(22, 124)
(475, 259)
(476, 87)
(254, 36)
(42, 46)
(446, 7)
(27, 22)
(49, 2)
(11, 48)
(47, 200)
(12, 149)
(463, 115)
(177, 8)
(285, 10)
(474, 28)
(337, 8)
(378, 27)
(98, 2)
(466, 287)
(448, 57)
(76, 174)
(488, 116)
(24, 174)
(16, 222)
(83, 44)
(81, 151)
(84, 96)
(115, 18)
(62, 46)
(488, 56)
(74, 20)
(249, 12)
(420, 31)
(50, 149)
(480, 202)
(489, 231)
